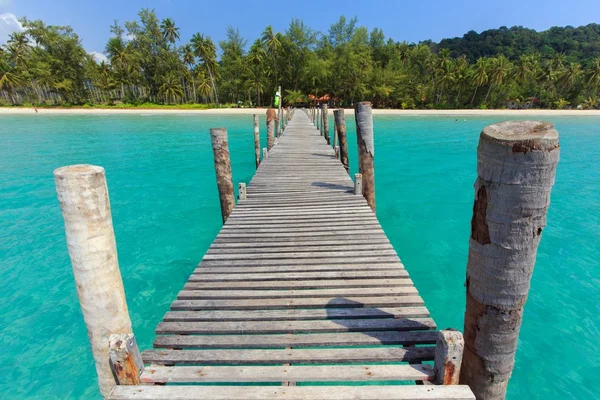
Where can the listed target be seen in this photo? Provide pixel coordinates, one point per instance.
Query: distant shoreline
(249, 111)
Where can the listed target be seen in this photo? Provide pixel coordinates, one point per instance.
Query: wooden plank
(293, 356)
(312, 373)
(336, 302)
(353, 271)
(286, 284)
(303, 260)
(296, 293)
(350, 255)
(278, 341)
(324, 326)
(310, 314)
(147, 392)
(315, 274)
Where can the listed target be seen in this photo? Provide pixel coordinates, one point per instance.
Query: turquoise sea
(166, 213)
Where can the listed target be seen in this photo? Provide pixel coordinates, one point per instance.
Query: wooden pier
(300, 296)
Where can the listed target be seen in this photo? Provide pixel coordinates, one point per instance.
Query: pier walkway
(300, 296)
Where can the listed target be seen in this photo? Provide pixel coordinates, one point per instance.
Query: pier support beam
(242, 191)
(325, 124)
(358, 186)
(340, 124)
(85, 206)
(125, 359)
(256, 140)
(366, 150)
(270, 134)
(265, 153)
(448, 357)
(516, 165)
(220, 146)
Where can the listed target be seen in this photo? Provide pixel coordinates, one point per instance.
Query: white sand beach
(249, 111)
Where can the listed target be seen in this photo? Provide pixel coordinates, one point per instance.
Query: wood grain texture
(300, 285)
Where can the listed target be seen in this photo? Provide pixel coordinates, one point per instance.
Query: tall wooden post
(340, 123)
(270, 134)
(256, 140)
(318, 114)
(326, 124)
(516, 165)
(280, 114)
(265, 153)
(85, 206)
(334, 130)
(366, 150)
(220, 147)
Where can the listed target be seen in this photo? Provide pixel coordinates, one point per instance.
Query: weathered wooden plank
(323, 326)
(296, 293)
(339, 302)
(147, 392)
(310, 314)
(293, 356)
(279, 341)
(312, 373)
(226, 255)
(306, 268)
(298, 260)
(323, 284)
(313, 275)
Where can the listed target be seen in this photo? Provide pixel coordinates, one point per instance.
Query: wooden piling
(448, 357)
(326, 124)
(358, 186)
(340, 123)
(242, 191)
(125, 359)
(85, 206)
(366, 150)
(516, 165)
(334, 130)
(220, 147)
(256, 140)
(337, 152)
(270, 134)
(265, 153)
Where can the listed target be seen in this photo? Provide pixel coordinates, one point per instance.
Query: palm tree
(273, 46)
(171, 88)
(571, 75)
(204, 87)
(18, 49)
(189, 59)
(205, 49)
(479, 76)
(500, 69)
(294, 96)
(255, 58)
(169, 31)
(593, 80)
(9, 81)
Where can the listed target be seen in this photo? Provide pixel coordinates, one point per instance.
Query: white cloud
(8, 24)
(99, 57)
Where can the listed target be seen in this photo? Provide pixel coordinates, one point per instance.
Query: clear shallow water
(166, 213)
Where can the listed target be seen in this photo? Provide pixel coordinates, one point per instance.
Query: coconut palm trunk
(516, 165)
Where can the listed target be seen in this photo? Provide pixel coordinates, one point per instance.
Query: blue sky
(402, 20)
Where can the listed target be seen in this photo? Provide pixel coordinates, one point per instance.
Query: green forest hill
(148, 65)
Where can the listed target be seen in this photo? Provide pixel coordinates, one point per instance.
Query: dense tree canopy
(148, 63)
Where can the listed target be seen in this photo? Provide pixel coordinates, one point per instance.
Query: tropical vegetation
(149, 64)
